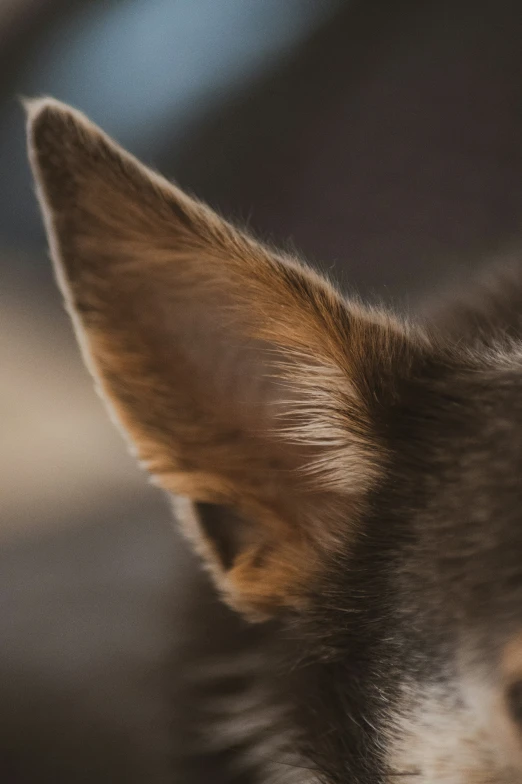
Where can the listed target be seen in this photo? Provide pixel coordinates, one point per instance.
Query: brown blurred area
(382, 139)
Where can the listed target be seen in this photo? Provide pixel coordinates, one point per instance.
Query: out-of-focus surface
(381, 138)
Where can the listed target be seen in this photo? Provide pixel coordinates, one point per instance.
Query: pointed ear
(244, 381)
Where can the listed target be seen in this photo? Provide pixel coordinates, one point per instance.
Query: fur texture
(350, 477)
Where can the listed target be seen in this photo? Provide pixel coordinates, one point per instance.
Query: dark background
(383, 140)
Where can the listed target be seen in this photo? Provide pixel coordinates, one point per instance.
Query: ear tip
(47, 119)
(56, 132)
(35, 106)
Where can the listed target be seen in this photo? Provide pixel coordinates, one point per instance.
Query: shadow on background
(383, 139)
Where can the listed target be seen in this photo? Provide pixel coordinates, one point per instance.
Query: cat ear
(244, 381)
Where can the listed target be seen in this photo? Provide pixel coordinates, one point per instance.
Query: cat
(350, 480)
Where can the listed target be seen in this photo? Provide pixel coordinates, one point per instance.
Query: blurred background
(381, 138)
